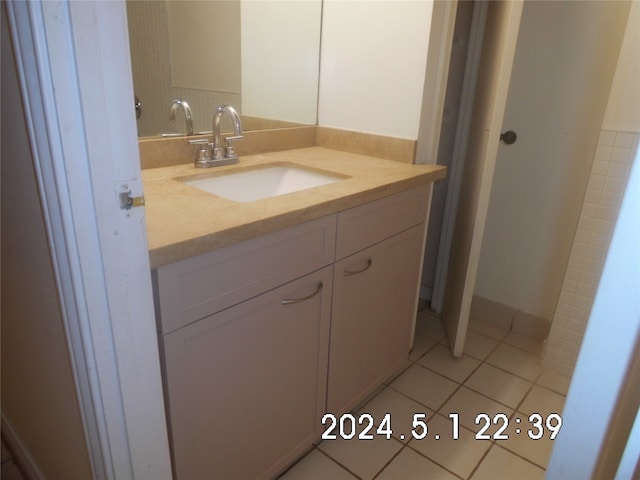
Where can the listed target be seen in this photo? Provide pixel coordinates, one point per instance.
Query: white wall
(280, 57)
(565, 62)
(373, 65)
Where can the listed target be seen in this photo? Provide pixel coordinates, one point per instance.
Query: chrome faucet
(229, 150)
(212, 154)
(187, 113)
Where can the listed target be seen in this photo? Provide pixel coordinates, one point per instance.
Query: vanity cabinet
(376, 281)
(261, 338)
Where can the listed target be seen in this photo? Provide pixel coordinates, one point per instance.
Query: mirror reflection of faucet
(213, 154)
(179, 103)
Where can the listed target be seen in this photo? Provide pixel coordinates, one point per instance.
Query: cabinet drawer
(362, 226)
(200, 286)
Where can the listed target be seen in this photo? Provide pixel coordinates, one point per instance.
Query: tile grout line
(431, 459)
(336, 462)
(387, 464)
(515, 412)
(481, 460)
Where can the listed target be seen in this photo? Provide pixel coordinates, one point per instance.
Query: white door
(538, 184)
(562, 73)
(501, 32)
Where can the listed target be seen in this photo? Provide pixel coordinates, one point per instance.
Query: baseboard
(426, 293)
(488, 311)
(531, 326)
(509, 318)
(21, 455)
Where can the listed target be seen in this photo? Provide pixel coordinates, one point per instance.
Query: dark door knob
(509, 137)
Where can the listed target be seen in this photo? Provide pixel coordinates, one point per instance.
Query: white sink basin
(262, 183)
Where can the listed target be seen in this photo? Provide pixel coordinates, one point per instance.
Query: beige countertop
(183, 221)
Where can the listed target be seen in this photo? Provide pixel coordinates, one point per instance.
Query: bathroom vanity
(285, 308)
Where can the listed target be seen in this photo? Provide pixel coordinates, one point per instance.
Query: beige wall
(204, 39)
(565, 62)
(623, 109)
(39, 400)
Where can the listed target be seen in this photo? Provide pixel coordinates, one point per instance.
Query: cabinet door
(374, 305)
(247, 386)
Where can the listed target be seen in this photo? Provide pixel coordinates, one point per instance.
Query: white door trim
(76, 83)
(443, 20)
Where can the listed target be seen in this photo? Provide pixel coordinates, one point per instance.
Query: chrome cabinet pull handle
(291, 301)
(348, 273)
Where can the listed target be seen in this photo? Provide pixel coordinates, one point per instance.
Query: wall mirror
(260, 56)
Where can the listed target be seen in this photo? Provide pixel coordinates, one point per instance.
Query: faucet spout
(211, 154)
(179, 103)
(230, 152)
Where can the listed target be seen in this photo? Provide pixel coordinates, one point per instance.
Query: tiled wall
(607, 181)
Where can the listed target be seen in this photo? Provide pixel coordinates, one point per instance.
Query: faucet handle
(233, 138)
(198, 141)
(204, 153)
(230, 150)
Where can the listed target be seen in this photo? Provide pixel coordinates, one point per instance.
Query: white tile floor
(500, 372)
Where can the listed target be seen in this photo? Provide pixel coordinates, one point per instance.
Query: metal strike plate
(127, 201)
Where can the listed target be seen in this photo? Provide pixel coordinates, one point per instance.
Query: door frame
(75, 77)
(443, 20)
